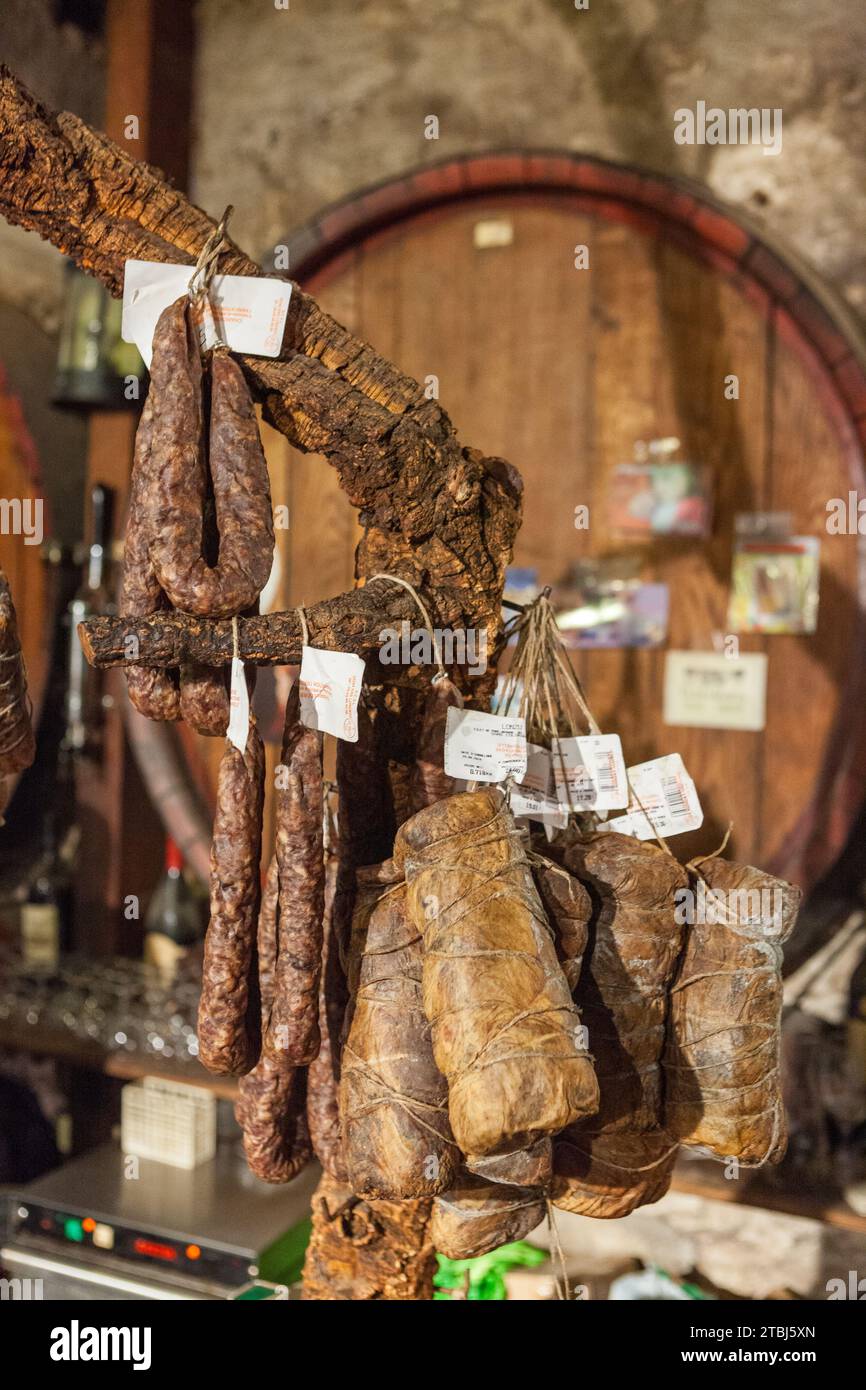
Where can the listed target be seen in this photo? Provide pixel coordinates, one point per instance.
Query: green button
(73, 1229)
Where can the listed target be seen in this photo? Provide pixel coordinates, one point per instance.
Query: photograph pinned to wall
(605, 605)
(659, 495)
(775, 578)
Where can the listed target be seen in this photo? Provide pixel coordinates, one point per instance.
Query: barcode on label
(675, 798)
(606, 769)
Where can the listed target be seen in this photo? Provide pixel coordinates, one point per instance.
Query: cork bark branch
(433, 512)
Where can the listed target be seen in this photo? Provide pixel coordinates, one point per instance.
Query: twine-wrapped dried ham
(568, 908)
(505, 1031)
(397, 1142)
(476, 1217)
(722, 1054)
(620, 1158)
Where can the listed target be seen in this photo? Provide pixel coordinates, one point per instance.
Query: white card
(589, 772)
(239, 707)
(537, 806)
(483, 747)
(708, 690)
(249, 311)
(330, 686)
(668, 801)
(537, 776)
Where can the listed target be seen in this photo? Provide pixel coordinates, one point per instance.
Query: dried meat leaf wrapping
(476, 1217)
(271, 1108)
(532, 1167)
(229, 1015)
(397, 1143)
(721, 1061)
(621, 1158)
(176, 504)
(568, 908)
(506, 1034)
(293, 1026)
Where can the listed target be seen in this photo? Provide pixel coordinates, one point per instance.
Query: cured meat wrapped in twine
(271, 1109)
(505, 1031)
(229, 1017)
(620, 1158)
(397, 1141)
(721, 1061)
(476, 1217)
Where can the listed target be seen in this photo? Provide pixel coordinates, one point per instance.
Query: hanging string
(236, 651)
(441, 677)
(563, 1290)
(305, 631)
(205, 269)
(205, 266)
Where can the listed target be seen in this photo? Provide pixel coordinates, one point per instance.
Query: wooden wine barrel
(21, 555)
(465, 275)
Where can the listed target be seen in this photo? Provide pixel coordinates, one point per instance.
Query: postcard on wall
(660, 499)
(774, 585)
(709, 690)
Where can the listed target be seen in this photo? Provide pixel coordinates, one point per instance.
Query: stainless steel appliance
(110, 1226)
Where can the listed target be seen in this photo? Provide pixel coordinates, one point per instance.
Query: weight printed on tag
(239, 707)
(589, 772)
(247, 312)
(537, 806)
(483, 747)
(664, 801)
(329, 687)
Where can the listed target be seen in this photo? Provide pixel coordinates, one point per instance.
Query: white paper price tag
(537, 777)
(239, 707)
(664, 801)
(589, 772)
(483, 747)
(537, 806)
(249, 311)
(329, 687)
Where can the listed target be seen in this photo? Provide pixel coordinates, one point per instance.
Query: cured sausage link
(239, 474)
(271, 1108)
(153, 692)
(293, 1029)
(229, 1017)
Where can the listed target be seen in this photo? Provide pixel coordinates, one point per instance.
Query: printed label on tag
(537, 806)
(709, 690)
(484, 747)
(664, 801)
(330, 687)
(589, 772)
(239, 707)
(248, 312)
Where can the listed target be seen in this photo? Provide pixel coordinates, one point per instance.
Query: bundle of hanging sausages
(473, 1020)
(447, 1008)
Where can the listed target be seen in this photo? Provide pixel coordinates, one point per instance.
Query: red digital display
(154, 1249)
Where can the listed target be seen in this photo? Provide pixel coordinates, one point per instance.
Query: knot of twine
(441, 677)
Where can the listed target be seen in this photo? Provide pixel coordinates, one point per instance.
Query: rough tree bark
(440, 515)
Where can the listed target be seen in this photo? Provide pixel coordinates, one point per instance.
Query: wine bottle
(84, 684)
(173, 922)
(46, 914)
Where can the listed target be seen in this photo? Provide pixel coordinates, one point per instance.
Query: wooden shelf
(126, 1066)
(704, 1178)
